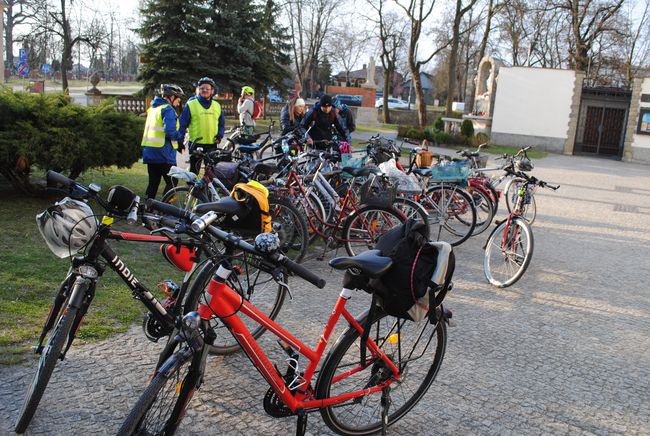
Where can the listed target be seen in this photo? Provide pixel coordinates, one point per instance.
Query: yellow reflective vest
(204, 123)
(154, 128)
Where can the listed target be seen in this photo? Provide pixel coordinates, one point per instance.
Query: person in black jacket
(321, 118)
(291, 115)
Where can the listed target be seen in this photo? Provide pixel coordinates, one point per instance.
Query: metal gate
(602, 120)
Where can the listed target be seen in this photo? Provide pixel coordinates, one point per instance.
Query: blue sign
(45, 68)
(22, 54)
(23, 69)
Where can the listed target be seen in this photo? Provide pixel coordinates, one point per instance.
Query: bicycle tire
(268, 299)
(50, 354)
(484, 210)
(345, 354)
(414, 210)
(183, 377)
(183, 197)
(529, 208)
(452, 214)
(362, 229)
(289, 223)
(515, 262)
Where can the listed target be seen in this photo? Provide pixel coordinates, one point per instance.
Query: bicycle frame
(84, 292)
(227, 305)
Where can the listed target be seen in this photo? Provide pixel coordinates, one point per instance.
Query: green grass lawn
(383, 128)
(503, 149)
(31, 274)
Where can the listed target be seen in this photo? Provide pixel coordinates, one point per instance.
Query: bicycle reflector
(120, 198)
(181, 256)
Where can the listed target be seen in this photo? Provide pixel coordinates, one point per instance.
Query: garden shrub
(467, 128)
(50, 132)
(439, 124)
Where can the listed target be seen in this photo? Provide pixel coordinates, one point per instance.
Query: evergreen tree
(175, 46)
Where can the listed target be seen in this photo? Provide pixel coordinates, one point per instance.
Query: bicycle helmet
(523, 165)
(169, 89)
(336, 103)
(247, 90)
(207, 80)
(67, 226)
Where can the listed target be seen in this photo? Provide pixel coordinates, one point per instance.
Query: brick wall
(368, 94)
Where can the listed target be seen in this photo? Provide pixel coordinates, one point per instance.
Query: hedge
(49, 132)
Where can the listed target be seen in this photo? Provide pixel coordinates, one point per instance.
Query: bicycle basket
(481, 161)
(375, 192)
(452, 171)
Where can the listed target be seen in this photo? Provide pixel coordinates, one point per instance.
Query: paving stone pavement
(564, 351)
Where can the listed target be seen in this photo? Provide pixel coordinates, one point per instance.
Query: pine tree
(175, 44)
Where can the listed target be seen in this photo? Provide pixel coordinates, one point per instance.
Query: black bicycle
(87, 244)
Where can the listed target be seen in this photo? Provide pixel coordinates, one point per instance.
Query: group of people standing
(203, 121)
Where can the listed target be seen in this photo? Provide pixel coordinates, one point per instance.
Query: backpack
(258, 110)
(257, 218)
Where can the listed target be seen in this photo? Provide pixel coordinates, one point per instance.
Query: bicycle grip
(169, 209)
(56, 178)
(303, 272)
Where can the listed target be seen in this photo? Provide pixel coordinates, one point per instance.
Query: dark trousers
(156, 172)
(195, 162)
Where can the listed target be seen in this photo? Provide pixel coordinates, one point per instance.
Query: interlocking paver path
(565, 350)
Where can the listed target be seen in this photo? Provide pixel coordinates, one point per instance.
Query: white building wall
(533, 107)
(642, 141)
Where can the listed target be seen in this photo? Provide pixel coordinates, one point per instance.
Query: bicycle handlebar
(239, 243)
(56, 178)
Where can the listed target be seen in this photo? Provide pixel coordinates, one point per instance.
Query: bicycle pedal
(37, 349)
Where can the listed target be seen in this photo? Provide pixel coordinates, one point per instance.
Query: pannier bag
(227, 173)
(409, 289)
(256, 218)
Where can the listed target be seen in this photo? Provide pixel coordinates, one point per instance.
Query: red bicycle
(354, 395)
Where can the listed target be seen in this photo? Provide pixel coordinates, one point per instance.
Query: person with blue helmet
(346, 116)
(204, 119)
(161, 138)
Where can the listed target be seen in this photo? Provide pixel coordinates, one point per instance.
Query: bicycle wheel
(363, 228)
(255, 285)
(412, 209)
(452, 214)
(417, 349)
(183, 197)
(508, 252)
(291, 227)
(49, 355)
(529, 207)
(160, 408)
(484, 210)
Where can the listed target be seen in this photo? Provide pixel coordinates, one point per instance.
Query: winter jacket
(167, 153)
(322, 124)
(347, 120)
(285, 121)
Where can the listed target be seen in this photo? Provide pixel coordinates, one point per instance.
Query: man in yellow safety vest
(203, 117)
(161, 137)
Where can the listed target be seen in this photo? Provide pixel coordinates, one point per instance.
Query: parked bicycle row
(238, 233)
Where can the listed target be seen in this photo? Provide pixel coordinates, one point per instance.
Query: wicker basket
(424, 159)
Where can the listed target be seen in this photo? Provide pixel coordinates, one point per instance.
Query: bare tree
(588, 19)
(460, 11)
(16, 12)
(391, 37)
(417, 13)
(346, 45)
(308, 23)
(637, 43)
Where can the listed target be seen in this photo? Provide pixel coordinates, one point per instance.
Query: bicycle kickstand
(301, 426)
(385, 404)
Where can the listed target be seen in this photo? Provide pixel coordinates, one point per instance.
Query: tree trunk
(453, 60)
(66, 61)
(419, 99)
(388, 74)
(9, 36)
(481, 54)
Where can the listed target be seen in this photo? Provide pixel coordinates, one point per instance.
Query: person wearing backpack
(291, 115)
(346, 117)
(204, 119)
(249, 110)
(320, 120)
(161, 137)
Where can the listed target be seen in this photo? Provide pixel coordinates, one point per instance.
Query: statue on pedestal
(370, 74)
